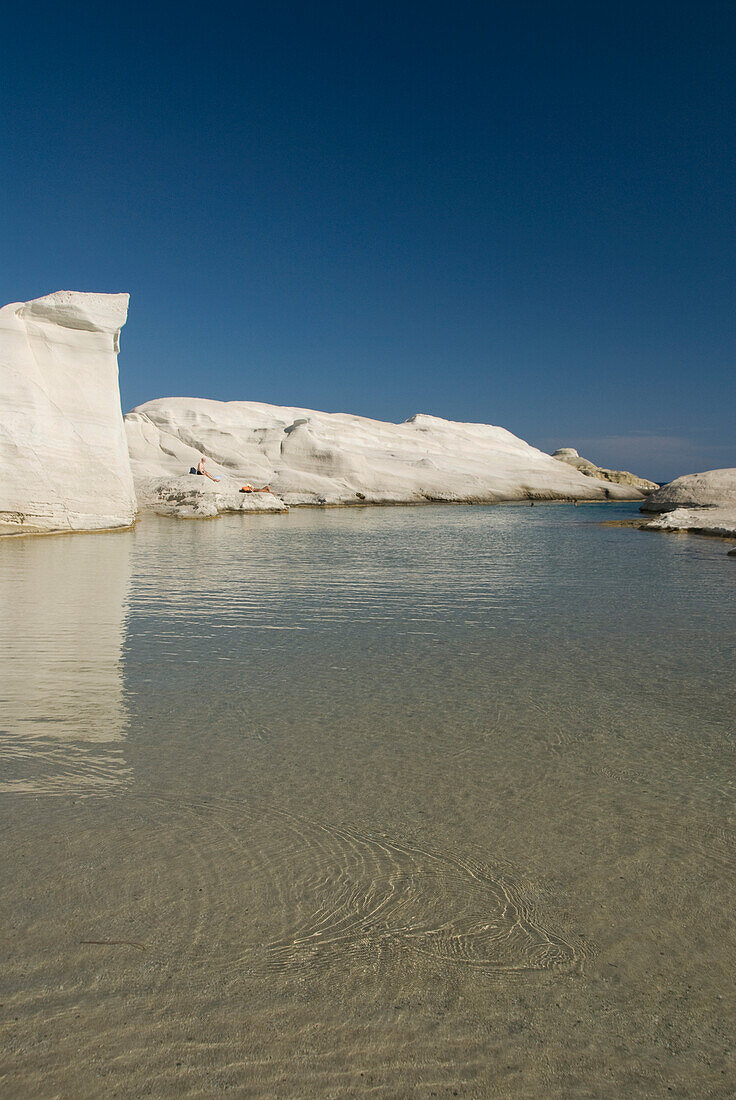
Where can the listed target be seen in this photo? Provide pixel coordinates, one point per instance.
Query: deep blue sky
(518, 213)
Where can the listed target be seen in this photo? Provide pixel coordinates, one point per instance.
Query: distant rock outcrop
(703, 503)
(310, 457)
(63, 452)
(617, 477)
(711, 489)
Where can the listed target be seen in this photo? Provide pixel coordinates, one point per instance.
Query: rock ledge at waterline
(189, 497)
(310, 457)
(63, 452)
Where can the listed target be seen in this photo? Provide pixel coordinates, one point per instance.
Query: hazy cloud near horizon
(659, 457)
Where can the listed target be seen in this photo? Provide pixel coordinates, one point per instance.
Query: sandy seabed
(395, 802)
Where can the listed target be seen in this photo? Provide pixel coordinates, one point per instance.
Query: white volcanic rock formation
(701, 521)
(704, 503)
(711, 489)
(195, 497)
(63, 452)
(312, 457)
(617, 477)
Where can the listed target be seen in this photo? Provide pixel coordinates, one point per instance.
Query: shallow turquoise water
(403, 801)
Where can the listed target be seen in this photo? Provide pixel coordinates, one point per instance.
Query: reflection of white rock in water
(62, 445)
(618, 477)
(335, 458)
(704, 503)
(62, 629)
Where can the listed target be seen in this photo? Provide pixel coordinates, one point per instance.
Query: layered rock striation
(310, 457)
(616, 477)
(63, 451)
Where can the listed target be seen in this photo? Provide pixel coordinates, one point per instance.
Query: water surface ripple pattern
(379, 802)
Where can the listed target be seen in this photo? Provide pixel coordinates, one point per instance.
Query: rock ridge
(616, 477)
(311, 457)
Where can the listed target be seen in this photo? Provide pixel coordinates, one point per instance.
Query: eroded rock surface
(193, 497)
(704, 503)
(616, 477)
(702, 521)
(310, 457)
(63, 450)
(710, 489)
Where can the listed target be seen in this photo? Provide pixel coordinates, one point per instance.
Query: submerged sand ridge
(379, 894)
(310, 457)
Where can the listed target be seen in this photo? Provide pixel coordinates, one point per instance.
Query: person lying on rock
(251, 489)
(201, 470)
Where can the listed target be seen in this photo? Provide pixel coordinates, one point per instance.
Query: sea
(388, 802)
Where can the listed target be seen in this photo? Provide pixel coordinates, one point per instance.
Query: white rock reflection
(62, 628)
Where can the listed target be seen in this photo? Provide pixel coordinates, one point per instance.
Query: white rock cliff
(310, 457)
(63, 452)
(69, 461)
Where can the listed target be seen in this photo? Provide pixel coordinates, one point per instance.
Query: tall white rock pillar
(63, 455)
